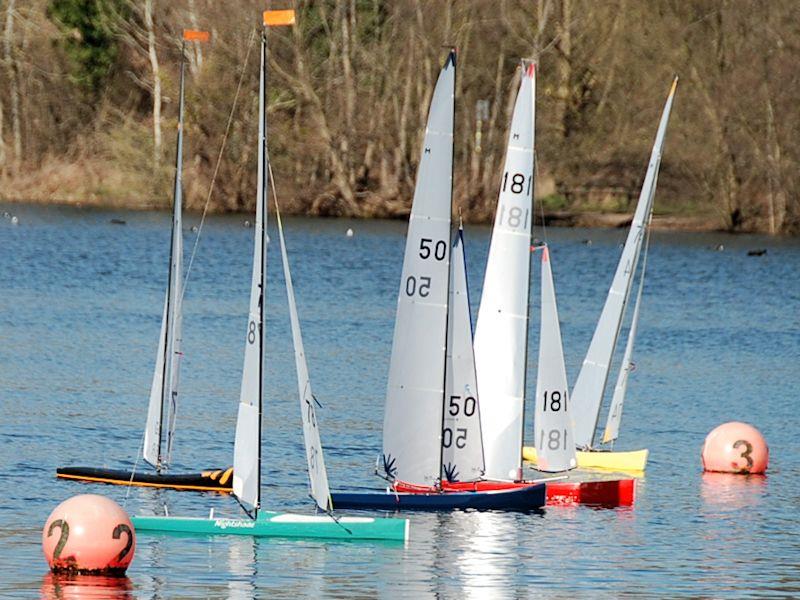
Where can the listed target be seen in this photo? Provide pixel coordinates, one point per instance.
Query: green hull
(286, 525)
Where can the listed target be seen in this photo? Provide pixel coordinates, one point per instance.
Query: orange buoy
(735, 448)
(89, 534)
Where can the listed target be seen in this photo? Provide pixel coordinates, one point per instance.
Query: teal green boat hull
(284, 525)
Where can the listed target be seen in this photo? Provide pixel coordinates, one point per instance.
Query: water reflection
(732, 491)
(481, 543)
(242, 566)
(68, 587)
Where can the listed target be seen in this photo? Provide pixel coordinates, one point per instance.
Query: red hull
(607, 493)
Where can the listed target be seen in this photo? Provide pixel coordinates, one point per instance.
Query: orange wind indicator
(193, 35)
(275, 18)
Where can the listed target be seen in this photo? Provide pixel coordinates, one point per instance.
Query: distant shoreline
(561, 218)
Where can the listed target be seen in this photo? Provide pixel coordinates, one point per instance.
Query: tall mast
(262, 150)
(452, 59)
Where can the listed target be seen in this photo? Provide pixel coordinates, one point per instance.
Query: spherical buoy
(89, 534)
(735, 448)
(349, 232)
(14, 220)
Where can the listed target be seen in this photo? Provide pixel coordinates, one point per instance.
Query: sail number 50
(460, 437)
(428, 248)
(421, 286)
(468, 408)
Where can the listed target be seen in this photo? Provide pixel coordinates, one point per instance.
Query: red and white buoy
(89, 534)
(735, 448)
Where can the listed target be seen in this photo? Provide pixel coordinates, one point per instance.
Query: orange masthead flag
(192, 35)
(278, 17)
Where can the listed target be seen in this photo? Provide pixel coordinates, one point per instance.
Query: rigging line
(218, 163)
(133, 471)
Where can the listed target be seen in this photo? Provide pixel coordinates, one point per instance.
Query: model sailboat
(159, 433)
(501, 342)
(431, 426)
(587, 395)
(247, 447)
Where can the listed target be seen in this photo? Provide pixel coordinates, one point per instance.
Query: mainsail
(412, 425)
(462, 443)
(247, 447)
(553, 437)
(317, 475)
(587, 395)
(164, 389)
(501, 332)
(615, 412)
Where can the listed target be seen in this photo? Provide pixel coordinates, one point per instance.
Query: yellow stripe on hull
(633, 462)
(191, 488)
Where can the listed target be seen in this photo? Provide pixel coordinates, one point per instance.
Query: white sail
(462, 443)
(412, 423)
(164, 389)
(317, 475)
(501, 332)
(152, 430)
(247, 446)
(555, 446)
(587, 395)
(611, 431)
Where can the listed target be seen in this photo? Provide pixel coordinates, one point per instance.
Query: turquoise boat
(247, 446)
(283, 525)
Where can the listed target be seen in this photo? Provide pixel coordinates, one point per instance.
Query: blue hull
(520, 499)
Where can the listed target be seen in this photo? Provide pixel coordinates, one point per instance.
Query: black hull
(519, 499)
(213, 480)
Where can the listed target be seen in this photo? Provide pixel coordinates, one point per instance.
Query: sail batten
(587, 395)
(414, 398)
(501, 332)
(555, 447)
(247, 445)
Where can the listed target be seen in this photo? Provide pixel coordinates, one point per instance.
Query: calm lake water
(80, 309)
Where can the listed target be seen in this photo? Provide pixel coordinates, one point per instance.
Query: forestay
(412, 423)
(555, 447)
(317, 474)
(615, 412)
(462, 444)
(501, 332)
(587, 395)
(164, 389)
(247, 447)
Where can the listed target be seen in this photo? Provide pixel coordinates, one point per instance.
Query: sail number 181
(555, 401)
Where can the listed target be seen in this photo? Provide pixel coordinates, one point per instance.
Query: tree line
(89, 88)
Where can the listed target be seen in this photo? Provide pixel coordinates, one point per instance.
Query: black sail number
(419, 286)
(555, 402)
(460, 437)
(251, 332)
(467, 408)
(516, 183)
(428, 248)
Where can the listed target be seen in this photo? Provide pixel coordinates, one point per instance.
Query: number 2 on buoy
(116, 535)
(62, 541)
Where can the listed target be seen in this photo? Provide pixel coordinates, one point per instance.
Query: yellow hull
(630, 462)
